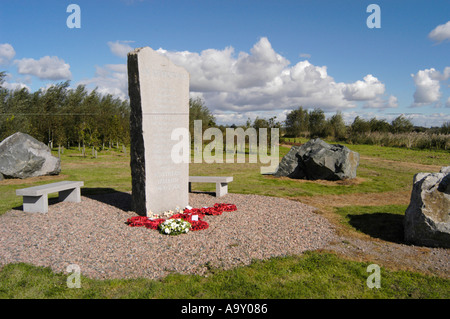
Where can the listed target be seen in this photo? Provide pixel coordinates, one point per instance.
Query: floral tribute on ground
(181, 222)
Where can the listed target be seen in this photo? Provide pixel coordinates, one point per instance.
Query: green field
(377, 198)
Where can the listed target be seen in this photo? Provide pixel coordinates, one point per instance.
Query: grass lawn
(311, 275)
(376, 199)
(383, 222)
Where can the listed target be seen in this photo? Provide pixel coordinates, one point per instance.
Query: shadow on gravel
(200, 192)
(120, 200)
(109, 196)
(51, 201)
(384, 226)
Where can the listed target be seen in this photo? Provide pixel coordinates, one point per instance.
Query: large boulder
(427, 218)
(22, 156)
(317, 159)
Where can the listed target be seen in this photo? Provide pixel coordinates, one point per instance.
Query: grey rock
(22, 156)
(427, 218)
(289, 165)
(1, 177)
(317, 159)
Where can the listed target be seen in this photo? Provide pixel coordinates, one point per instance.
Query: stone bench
(221, 183)
(35, 199)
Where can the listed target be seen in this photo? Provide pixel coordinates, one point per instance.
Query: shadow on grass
(385, 226)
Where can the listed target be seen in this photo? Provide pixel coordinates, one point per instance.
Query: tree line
(60, 116)
(399, 132)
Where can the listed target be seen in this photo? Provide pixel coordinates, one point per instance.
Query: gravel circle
(94, 235)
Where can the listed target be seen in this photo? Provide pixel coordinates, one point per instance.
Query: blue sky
(246, 58)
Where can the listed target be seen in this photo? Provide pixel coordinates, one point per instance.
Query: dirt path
(394, 256)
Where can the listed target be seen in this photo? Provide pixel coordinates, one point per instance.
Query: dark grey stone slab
(317, 159)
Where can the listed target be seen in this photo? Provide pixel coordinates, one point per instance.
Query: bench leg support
(221, 189)
(70, 195)
(35, 204)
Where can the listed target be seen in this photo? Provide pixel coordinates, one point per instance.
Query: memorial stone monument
(159, 100)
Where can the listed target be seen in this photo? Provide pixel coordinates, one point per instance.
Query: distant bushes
(399, 133)
(419, 140)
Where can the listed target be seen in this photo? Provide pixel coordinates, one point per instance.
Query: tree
(317, 123)
(62, 115)
(267, 124)
(2, 77)
(445, 128)
(359, 126)
(14, 112)
(199, 111)
(260, 123)
(379, 125)
(297, 122)
(336, 126)
(401, 125)
(50, 106)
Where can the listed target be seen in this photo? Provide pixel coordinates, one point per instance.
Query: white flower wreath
(175, 226)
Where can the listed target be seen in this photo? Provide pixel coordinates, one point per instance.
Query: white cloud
(428, 85)
(46, 68)
(380, 103)
(120, 48)
(220, 70)
(7, 53)
(15, 86)
(429, 120)
(365, 90)
(262, 83)
(447, 104)
(264, 80)
(110, 79)
(440, 33)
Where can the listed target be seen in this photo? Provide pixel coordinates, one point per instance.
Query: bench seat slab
(35, 199)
